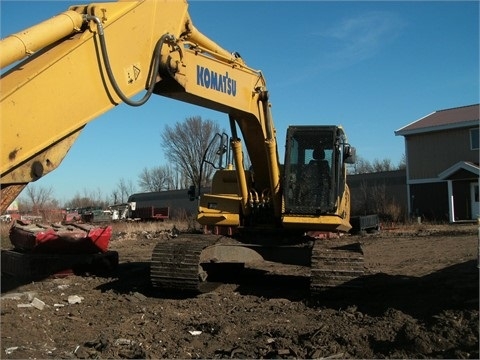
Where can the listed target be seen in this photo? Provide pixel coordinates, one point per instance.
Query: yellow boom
(93, 57)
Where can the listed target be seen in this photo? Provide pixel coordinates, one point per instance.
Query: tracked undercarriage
(186, 263)
(336, 263)
(176, 264)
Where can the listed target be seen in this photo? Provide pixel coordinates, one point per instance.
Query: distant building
(442, 158)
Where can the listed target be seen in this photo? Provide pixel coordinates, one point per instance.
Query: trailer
(177, 201)
(147, 213)
(365, 224)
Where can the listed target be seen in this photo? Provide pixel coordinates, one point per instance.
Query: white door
(474, 200)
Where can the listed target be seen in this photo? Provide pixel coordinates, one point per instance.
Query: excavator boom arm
(92, 58)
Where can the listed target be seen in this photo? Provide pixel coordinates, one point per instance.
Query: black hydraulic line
(154, 69)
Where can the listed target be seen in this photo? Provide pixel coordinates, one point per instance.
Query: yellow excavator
(68, 70)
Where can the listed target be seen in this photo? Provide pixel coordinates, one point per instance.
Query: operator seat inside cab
(317, 177)
(318, 161)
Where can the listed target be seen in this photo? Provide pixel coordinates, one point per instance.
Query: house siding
(441, 166)
(432, 153)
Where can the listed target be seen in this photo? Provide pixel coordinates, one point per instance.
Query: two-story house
(442, 154)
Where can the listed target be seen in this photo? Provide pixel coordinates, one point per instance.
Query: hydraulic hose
(155, 65)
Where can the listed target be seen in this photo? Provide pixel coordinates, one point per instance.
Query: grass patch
(151, 226)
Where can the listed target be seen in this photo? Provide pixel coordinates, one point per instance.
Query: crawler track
(336, 263)
(175, 264)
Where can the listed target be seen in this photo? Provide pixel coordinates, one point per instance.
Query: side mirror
(349, 154)
(191, 193)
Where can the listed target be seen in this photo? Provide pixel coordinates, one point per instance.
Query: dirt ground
(420, 299)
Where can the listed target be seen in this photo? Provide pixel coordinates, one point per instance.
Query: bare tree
(155, 179)
(124, 189)
(115, 196)
(91, 199)
(363, 166)
(362, 205)
(39, 197)
(176, 179)
(382, 165)
(185, 145)
(402, 163)
(79, 201)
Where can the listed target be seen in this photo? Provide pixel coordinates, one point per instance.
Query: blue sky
(372, 67)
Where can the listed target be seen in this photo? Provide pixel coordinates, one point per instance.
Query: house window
(474, 139)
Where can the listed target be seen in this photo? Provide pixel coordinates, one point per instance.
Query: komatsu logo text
(212, 80)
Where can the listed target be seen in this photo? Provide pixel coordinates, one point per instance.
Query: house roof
(459, 117)
(461, 165)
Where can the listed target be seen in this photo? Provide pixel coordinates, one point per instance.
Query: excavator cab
(315, 169)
